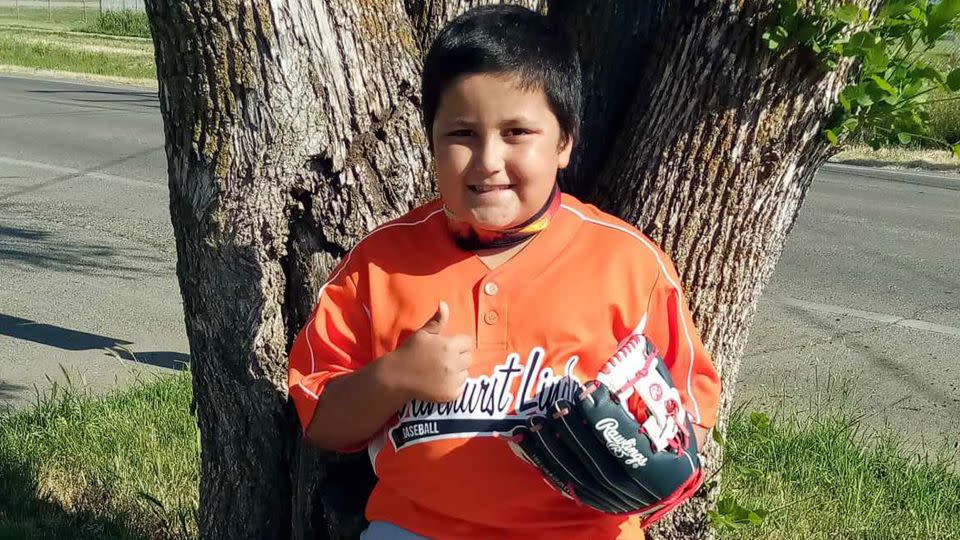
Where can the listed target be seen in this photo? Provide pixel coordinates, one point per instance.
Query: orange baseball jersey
(557, 308)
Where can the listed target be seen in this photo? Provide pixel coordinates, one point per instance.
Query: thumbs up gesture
(431, 365)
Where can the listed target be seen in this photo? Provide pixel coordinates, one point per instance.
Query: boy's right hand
(431, 366)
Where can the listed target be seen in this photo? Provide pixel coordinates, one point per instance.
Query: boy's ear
(566, 148)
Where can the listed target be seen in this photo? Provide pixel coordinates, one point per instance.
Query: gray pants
(381, 530)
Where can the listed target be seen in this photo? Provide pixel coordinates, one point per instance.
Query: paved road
(868, 289)
(867, 297)
(86, 250)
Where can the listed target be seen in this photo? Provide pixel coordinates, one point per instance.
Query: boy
(436, 332)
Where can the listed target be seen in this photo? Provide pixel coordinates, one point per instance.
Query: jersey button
(491, 288)
(491, 317)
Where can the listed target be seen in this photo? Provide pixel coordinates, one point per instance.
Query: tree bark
(719, 142)
(292, 128)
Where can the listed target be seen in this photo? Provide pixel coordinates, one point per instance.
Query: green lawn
(825, 479)
(77, 54)
(56, 40)
(127, 466)
(54, 19)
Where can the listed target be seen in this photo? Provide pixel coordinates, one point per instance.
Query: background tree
(292, 128)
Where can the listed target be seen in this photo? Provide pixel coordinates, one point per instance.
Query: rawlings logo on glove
(619, 446)
(595, 450)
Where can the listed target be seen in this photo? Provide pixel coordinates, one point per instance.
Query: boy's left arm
(670, 327)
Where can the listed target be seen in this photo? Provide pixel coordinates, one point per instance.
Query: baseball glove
(594, 450)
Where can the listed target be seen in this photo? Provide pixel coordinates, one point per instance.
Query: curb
(905, 177)
(79, 79)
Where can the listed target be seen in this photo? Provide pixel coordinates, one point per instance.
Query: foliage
(824, 475)
(127, 465)
(123, 466)
(119, 23)
(889, 99)
(76, 53)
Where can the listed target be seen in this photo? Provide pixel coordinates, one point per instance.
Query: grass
(934, 159)
(119, 23)
(54, 19)
(826, 479)
(123, 466)
(126, 466)
(57, 40)
(77, 54)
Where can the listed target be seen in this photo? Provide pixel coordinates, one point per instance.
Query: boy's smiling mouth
(487, 189)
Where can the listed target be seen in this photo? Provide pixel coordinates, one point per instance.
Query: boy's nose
(489, 159)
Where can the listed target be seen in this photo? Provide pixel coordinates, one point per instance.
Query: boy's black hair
(506, 39)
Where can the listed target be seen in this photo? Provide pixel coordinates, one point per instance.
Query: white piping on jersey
(346, 263)
(308, 391)
(374, 448)
(676, 288)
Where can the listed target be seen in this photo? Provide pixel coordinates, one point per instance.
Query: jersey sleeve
(335, 341)
(670, 327)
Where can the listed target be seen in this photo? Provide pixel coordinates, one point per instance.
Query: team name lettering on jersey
(619, 445)
(489, 404)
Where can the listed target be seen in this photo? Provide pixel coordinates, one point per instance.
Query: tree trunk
(292, 128)
(709, 150)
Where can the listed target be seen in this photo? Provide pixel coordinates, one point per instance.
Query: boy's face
(497, 149)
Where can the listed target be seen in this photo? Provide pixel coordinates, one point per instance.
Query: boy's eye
(460, 133)
(517, 132)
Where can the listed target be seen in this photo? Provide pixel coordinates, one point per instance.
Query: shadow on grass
(900, 164)
(24, 515)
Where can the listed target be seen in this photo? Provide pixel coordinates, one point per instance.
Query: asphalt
(863, 310)
(86, 245)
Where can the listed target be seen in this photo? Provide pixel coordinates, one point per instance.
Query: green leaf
(860, 42)
(894, 9)
(904, 138)
(913, 88)
(717, 436)
(832, 137)
(953, 80)
(850, 124)
(773, 42)
(726, 506)
(720, 521)
(917, 14)
(877, 59)
(849, 95)
(940, 17)
(760, 420)
(929, 73)
(789, 8)
(805, 33)
(848, 13)
(845, 102)
(754, 518)
(757, 516)
(884, 85)
(731, 515)
(956, 150)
